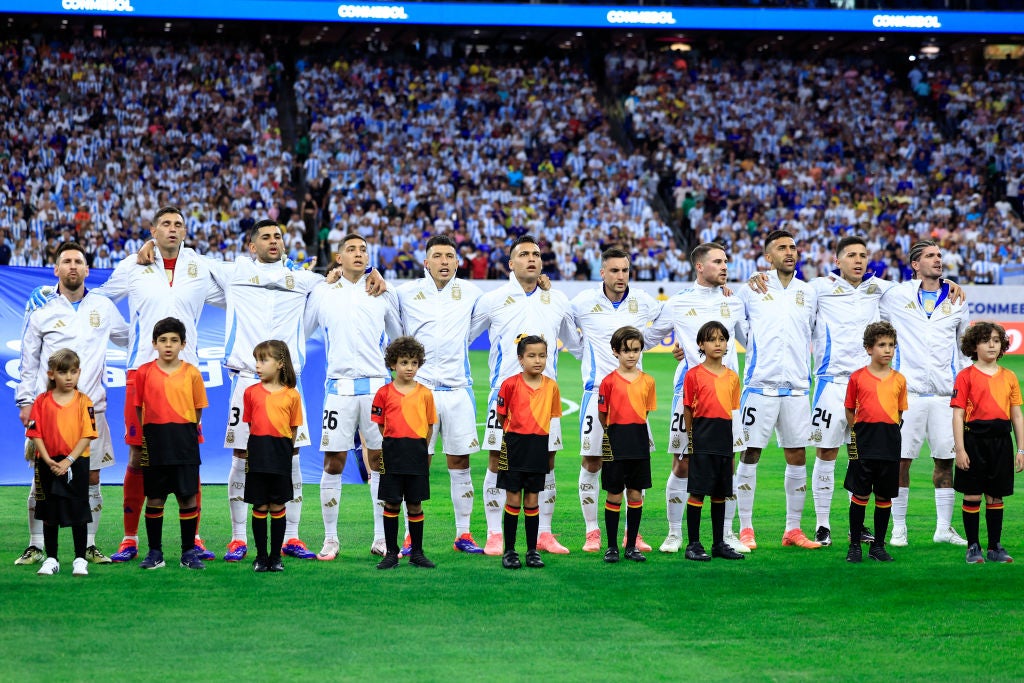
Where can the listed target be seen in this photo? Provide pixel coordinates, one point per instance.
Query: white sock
(378, 506)
(899, 508)
(96, 506)
(823, 484)
(494, 502)
(35, 526)
(239, 508)
(675, 503)
(746, 485)
(462, 499)
(588, 484)
(944, 500)
(796, 494)
(293, 508)
(547, 503)
(330, 502)
(405, 516)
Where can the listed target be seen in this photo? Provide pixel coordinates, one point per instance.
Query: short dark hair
(441, 240)
(404, 347)
(979, 332)
(875, 331)
(164, 210)
(275, 349)
(68, 246)
(522, 239)
(613, 252)
(352, 236)
(61, 360)
(701, 251)
(265, 223)
(776, 235)
(707, 330)
(524, 340)
(625, 334)
(849, 240)
(168, 325)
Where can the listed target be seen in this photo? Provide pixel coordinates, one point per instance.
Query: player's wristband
(71, 461)
(1020, 451)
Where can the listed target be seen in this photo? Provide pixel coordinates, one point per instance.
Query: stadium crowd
(827, 148)
(489, 149)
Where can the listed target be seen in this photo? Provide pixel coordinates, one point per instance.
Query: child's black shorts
(864, 476)
(412, 488)
(266, 488)
(531, 482)
(159, 481)
(617, 475)
(710, 475)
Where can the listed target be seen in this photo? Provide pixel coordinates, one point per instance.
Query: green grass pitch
(781, 614)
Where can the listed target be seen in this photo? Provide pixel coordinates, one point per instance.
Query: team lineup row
(780, 324)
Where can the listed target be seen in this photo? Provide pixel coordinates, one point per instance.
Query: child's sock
(155, 527)
(675, 503)
(693, 509)
(415, 523)
(718, 520)
(883, 511)
(612, 513)
(994, 523)
(531, 522)
(588, 486)
(134, 498)
(858, 509)
(391, 530)
(188, 519)
(634, 513)
(509, 526)
(278, 524)
(79, 533)
(50, 539)
(971, 512)
(259, 532)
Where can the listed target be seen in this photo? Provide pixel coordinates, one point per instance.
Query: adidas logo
(589, 501)
(107, 457)
(692, 313)
(676, 500)
(333, 502)
(493, 504)
(420, 296)
(296, 500)
(300, 436)
(768, 297)
(59, 324)
(744, 487)
(149, 270)
(803, 488)
(468, 494)
(596, 309)
(236, 499)
(509, 300)
(739, 442)
(98, 508)
(475, 444)
(911, 306)
(558, 442)
(837, 290)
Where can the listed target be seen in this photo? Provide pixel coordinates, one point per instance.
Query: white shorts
(101, 450)
(343, 417)
(829, 428)
(591, 431)
(456, 419)
(236, 435)
(678, 440)
(788, 416)
(931, 418)
(493, 434)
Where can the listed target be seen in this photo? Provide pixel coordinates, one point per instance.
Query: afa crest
(586, 443)
(634, 307)
(675, 441)
(799, 298)
(230, 436)
(816, 436)
(545, 297)
(289, 281)
(193, 270)
(724, 311)
(456, 292)
(94, 319)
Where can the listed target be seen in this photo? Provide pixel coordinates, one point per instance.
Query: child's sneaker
(418, 559)
(80, 567)
(854, 554)
(878, 552)
(695, 552)
(50, 566)
(999, 554)
(390, 561)
(154, 560)
(611, 556)
(725, 551)
(510, 560)
(974, 555)
(275, 564)
(634, 554)
(190, 560)
(259, 565)
(533, 560)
